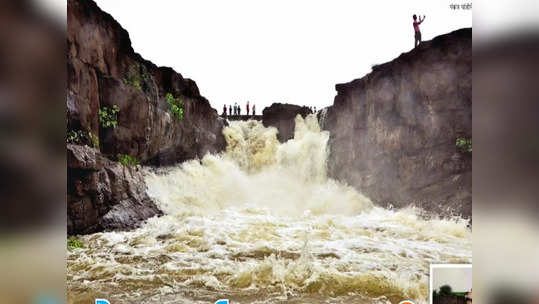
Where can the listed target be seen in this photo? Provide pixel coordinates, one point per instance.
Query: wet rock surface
(104, 72)
(281, 116)
(104, 194)
(393, 132)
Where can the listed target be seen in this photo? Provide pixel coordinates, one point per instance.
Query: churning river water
(262, 223)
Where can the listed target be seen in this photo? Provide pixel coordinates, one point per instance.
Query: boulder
(281, 116)
(103, 194)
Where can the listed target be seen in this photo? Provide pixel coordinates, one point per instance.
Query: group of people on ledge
(236, 109)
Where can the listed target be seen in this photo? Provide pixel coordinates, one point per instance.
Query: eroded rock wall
(104, 71)
(104, 194)
(393, 132)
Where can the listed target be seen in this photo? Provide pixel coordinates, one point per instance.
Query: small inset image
(451, 284)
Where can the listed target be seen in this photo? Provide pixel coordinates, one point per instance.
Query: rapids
(262, 223)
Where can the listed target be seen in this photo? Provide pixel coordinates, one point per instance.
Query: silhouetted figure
(230, 109)
(314, 109)
(224, 110)
(417, 31)
(247, 108)
(239, 110)
(254, 109)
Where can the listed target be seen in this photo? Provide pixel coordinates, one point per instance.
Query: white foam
(263, 217)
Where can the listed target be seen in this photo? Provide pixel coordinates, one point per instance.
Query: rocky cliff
(281, 116)
(105, 73)
(104, 194)
(393, 133)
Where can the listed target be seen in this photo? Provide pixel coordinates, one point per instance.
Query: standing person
(235, 108)
(239, 110)
(224, 110)
(254, 109)
(230, 110)
(247, 107)
(417, 37)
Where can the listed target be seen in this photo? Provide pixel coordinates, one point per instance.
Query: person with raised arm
(416, 24)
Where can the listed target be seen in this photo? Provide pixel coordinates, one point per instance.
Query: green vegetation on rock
(75, 137)
(176, 105)
(94, 139)
(136, 76)
(464, 144)
(108, 117)
(80, 137)
(73, 242)
(134, 83)
(128, 160)
(133, 77)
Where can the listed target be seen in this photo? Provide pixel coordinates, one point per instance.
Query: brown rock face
(282, 117)
(103, 194)
(393, 132)
(104, 71)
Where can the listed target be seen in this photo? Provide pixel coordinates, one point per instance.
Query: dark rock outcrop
(243, 117)
(104, 194)
(281, 116)
(393, 132)
(104, 71)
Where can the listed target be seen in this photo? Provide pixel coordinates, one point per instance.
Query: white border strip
(432, 266)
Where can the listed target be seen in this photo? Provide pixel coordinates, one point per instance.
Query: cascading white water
(323, 116)
(262, 222)
(259, 172)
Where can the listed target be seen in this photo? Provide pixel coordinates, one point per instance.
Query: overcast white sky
(278, 50)
(460, 279)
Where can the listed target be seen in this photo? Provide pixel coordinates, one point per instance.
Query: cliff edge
(400, 134)
(117, 104)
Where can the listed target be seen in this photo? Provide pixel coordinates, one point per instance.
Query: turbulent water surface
(262, 223)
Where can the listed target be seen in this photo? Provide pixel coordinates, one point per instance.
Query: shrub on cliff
(75, 137)
(108, 117)
(135, 77)
(81, 137)
(464, 144)
(176, 105)
(128, 160)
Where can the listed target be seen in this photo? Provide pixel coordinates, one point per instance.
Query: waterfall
(263, 222)
(323, 115)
